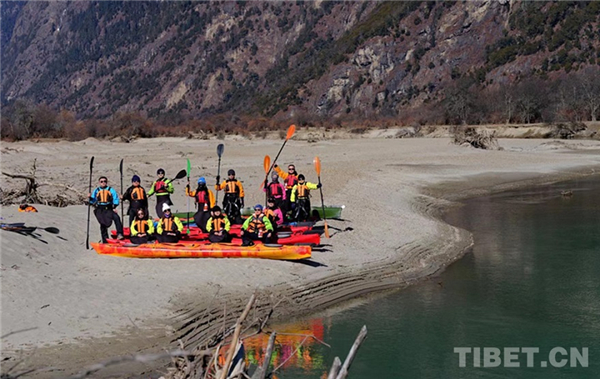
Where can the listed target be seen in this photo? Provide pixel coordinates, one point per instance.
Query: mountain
(287, 59)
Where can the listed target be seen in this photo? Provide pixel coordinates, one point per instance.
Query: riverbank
(87, 308)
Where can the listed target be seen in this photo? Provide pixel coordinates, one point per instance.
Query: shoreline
(404, 260)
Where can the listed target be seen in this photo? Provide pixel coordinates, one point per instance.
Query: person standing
(141, 228)
(218, 226)
(136, 195)
(233, 203)
(301, 199)
(290, 179)
(205, 201)
(169, 227)
(275, 190)
(257, 227)
(163, 188)
(106, 201)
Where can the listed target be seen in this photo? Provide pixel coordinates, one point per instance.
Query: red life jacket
(160, 186)
(275, 190)
(291, 181)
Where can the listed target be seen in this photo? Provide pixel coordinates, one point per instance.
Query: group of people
(287, 201)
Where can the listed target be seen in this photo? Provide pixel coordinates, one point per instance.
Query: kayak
(222, 250)
(331, 211)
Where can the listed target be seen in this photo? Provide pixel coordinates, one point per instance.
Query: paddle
(267, 166)
(181, 174)
(87, 238)
(290, 133)
(189, 168)
(220, 149)
(318, 169)
(121, 171)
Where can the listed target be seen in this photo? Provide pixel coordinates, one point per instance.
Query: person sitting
(169, 227)
(27, 208)
(301, 199)
(141, 228)
(257, 227)
(218, 226)
(274, 213)
(233, 203)
(205, 201)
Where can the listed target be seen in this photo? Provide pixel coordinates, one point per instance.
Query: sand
(69, 307)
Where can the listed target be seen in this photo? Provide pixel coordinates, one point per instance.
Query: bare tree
(589, 86)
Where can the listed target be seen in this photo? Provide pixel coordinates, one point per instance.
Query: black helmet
(231, 172)
(301, 177)
(160, 171)
(216, 208)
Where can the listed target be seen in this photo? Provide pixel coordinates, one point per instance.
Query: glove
(319, 185)
(275, 165)
(218, 179)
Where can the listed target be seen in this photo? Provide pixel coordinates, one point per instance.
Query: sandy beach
(68, 307)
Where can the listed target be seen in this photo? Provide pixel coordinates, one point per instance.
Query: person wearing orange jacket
(233, 203)
(301, 198)
(290, 179)
(205, 201)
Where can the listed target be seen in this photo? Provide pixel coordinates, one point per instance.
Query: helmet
(301, 177)
(160, 171)
(135, 178)
(274, 176)
(258, 206)
(216, 208)
(231, 172)
(202, 180)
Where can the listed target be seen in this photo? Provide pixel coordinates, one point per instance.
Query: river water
(532, 280)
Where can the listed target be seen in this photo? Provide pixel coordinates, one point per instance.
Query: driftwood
(470, 136)
(31, 195)
(343, 371)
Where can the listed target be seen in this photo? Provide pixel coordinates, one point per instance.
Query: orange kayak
(220, 250)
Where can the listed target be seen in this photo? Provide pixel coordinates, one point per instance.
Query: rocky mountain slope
(319, 58)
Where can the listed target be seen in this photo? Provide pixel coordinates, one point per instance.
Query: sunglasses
(103, 181)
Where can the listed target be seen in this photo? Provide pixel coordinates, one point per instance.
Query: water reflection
(294, 347)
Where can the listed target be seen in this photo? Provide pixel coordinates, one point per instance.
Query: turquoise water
(532, 280)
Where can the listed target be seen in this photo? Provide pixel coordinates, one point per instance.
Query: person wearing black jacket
(137, 197)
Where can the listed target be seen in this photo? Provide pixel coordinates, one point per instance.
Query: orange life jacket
(104, 196)
(141, 226)
(257, 224)
(168, 224)
(138, 193)
(231, 186)
(218, 223)
(271, 215)
(303, 191)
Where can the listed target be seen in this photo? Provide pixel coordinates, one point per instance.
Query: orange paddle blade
(326, 228)
(317, 162)
(290, 132)
(267, 163)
